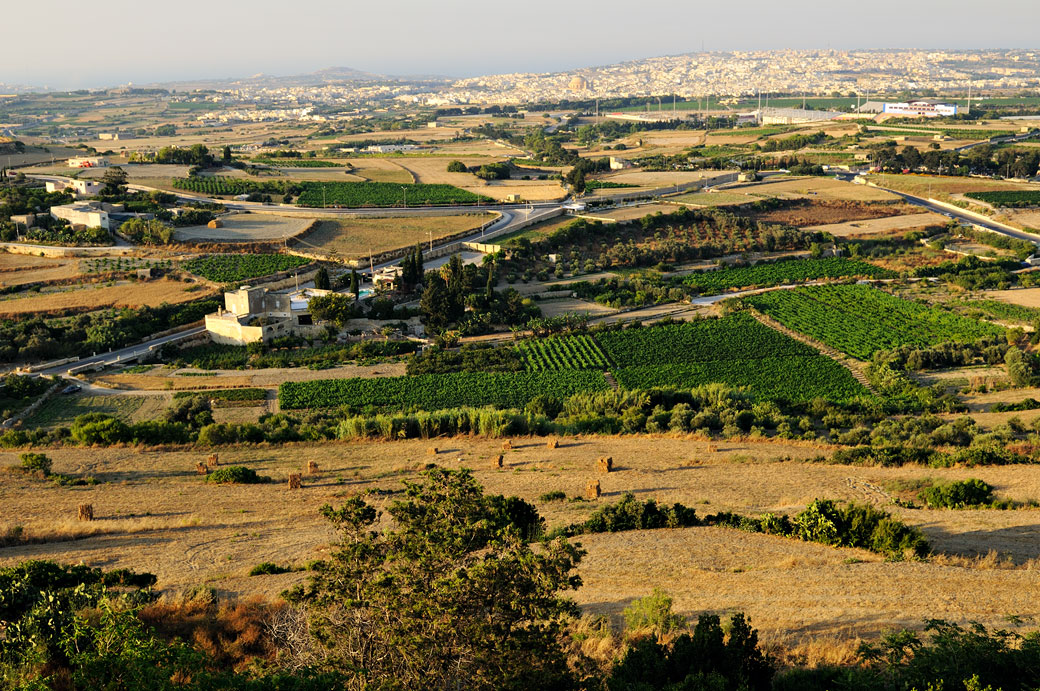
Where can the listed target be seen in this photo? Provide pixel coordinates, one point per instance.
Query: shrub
(236, 474)
(268, 568)
(957, 495)
(36, 461)
(653, 612)
(555, 495)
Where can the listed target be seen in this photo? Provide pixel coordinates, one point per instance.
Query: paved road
(122, 353)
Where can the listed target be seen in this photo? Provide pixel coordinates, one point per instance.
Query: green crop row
(782, 273)
(860, 320)
(359, 194)
(1007, 198)
(297, 163)
(249, 394)
(223, 186)
(736, 337)
(795, 379)
(561, 353)
(231, 268)
(437, 391)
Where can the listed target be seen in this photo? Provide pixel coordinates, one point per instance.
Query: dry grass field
(353, 237)
(815, 188)
(943, 187)
(1027, 297)
(154, 513)
(379, 170)
(19, 269)
(188, 379)
(554, 308)
(122, 294)
(527, 190)
(702, 199)
(631, 213)
(245, 228)
(880, 226)
(435, 170)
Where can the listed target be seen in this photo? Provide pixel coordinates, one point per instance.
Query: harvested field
(19, 269)
(434, 170)
(379, 170)
(554, 308)
(198, 533)
(812, 212)
(122, 294)
(191, 379)
(815, 188)
(352, 237)
(716, 198)
(658, 179)
(631, 213)
(1027, 297)
(245, 228)
(537, 231)
(527, 190)
(880, 226)
(1026, 218)
(60, 411)
(943, 187)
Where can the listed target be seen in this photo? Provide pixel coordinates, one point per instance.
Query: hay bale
(606, 464)
(553, 443)
(294, 481)
(593, 490)
(86, 512)
(312, 468)
(201, 468)
(212, 460)
(215, 223)
(507, 445)
(498, 461)
(713, 448)
(432, 451)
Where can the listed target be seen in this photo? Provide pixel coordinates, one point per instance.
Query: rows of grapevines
(224, 186)
(560, 353)
(359, 194)
(782, 273)
(860, 320)
(795, 379)
(736, 337)
(230, 268)
(437, 391)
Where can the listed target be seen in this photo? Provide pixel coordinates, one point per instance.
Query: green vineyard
(224, 186)
(231, 268)
(782, 273)
(437, 391)
(1008, 198)
(380, 194)
(859, 320)
(561, 353)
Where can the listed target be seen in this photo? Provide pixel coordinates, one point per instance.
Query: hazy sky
(66, 44)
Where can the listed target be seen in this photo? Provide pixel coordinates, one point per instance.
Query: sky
(65, 44)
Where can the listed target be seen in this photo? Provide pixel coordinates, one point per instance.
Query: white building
(87, 188)
(88, 162)
(255, 315)
(618, 163)
(927, 109)
(81, 214)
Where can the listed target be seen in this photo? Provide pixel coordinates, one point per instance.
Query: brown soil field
(1026, 218)
(19, 269)
(155, 514)
(380, 170)
(658, 179)
(434, 170)
(528, 190)
(165, 380)
(126, 294)
(245, 228)
(358, 237)
(554, 308)
(816, 188)
(700, 199)
(880, 226)
(1027, 297)
(808, 212)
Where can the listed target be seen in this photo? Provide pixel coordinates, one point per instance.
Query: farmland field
(783, 272)
(860, 320)
(737, 337)
(1008, 198)
(100, 296)
(383, 194)
(561, 353)
(359, 237)
(796, 379)
(438, 391)
(228, 268)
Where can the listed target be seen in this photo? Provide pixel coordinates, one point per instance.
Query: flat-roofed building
(81, 214)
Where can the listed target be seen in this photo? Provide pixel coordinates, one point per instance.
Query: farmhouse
(81, 214)
(88, 162)
(255, 315)
(87, 188)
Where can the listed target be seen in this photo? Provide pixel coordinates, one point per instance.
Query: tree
(114, 180)
(355, 283)
(334, 307)
(450, 597)
(226, 154)
(457, 167)
(165, 130)
(321, 279)
(436, 303)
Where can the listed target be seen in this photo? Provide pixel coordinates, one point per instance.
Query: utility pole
(405, 190)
